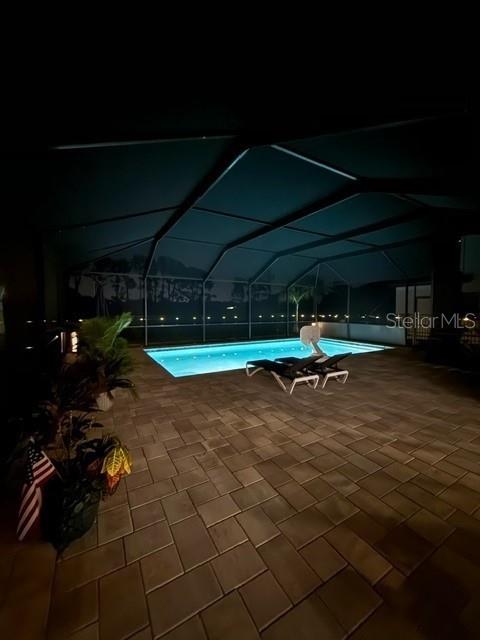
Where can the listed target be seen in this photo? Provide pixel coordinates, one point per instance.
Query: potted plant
(104, 356)
(87, 468)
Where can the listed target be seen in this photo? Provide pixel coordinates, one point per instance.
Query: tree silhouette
(137, 264)
(261, 292)
(153, 283)
(130, 283)
(116, 284)
(238, 293)
(209, 291)
(101, 307)
(298, 294)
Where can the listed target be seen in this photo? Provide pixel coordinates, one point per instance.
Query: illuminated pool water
(212, 358)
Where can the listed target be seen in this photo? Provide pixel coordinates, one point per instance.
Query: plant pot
(104, 402)
(69, 510)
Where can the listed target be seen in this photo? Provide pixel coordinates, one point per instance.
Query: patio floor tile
(265, 599)
(229, 618)
(237, 566)
(182, 598)
(289, 568)
(349, 598)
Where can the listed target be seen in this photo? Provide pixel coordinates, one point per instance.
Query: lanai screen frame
(356, 186)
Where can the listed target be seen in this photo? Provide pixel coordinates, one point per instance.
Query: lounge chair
(326, 368)
(295, 372)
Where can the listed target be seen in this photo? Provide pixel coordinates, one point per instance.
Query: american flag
(39, 470)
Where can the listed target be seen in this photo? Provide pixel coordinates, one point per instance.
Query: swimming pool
(212, 358)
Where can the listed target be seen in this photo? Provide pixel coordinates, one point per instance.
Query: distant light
(377, 317)
(281, 315)
(208, 318)
(224, 317)
(29, 321)
(293, 315)
(194, 317)
(346, 315)
(313, 315)
(80, 319)
(259, 316)
(230, 307)
(177, 318)
(28, 348)
(142, 319)
(336, 315)
(302, 315)
(162, 318)
(272, 316)
(363, 316)
(235, 317)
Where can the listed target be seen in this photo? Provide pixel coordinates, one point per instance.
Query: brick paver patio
(353, 511)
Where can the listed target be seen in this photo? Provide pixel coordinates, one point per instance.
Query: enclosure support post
(315, 295)
(348, 311)
(406, 309)
(204, 319)
(288, 311)
(414, 314)
(249, 311)
(145, 312)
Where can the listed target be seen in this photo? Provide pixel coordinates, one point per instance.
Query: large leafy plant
(104, 353)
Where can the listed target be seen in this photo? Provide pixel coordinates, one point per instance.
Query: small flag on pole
(39, 470)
